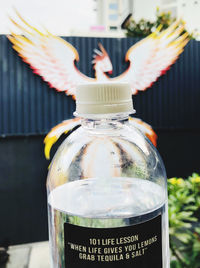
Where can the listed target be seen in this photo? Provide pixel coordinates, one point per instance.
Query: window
(113, 17)
(113, 28)
(113, 6)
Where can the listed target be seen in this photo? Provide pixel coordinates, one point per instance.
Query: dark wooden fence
(29, 108)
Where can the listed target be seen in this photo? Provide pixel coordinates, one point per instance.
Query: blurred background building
(110, 14)
(96, 17)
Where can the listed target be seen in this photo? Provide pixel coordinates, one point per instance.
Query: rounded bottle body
(107, 199)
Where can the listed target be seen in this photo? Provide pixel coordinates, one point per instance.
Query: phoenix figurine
(54, 59)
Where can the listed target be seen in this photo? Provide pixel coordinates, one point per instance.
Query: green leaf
(183, 237)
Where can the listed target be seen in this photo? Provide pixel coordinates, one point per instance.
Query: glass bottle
(107, 189)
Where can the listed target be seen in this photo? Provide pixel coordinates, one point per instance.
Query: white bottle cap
(104, 98)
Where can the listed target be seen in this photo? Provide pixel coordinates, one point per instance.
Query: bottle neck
(108, 121)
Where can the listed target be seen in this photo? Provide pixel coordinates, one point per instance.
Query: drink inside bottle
(107, 191)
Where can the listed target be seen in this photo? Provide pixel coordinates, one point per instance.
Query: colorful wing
(153, 56)
(70, 124)
(145, 128)
(57, 131)
(49, 56)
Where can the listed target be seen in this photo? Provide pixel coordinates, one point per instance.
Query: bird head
(102, 60)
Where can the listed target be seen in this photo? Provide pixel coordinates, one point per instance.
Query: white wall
(145, 9)
(190, 12)
(58, 16)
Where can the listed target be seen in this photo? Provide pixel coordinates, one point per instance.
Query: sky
(58, 16)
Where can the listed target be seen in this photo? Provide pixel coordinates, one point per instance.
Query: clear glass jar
(108, 180)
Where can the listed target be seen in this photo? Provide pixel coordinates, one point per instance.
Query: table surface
(35, 255)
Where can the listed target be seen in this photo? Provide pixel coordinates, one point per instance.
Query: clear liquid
(104, 203)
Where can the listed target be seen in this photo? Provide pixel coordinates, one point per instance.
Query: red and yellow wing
(49, 56)
(70, 124)
(153, 56)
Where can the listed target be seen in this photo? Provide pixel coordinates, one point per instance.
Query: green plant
(143, 27)
(184, 229)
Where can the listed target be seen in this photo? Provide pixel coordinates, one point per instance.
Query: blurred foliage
(143, 27)
(184, 229)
